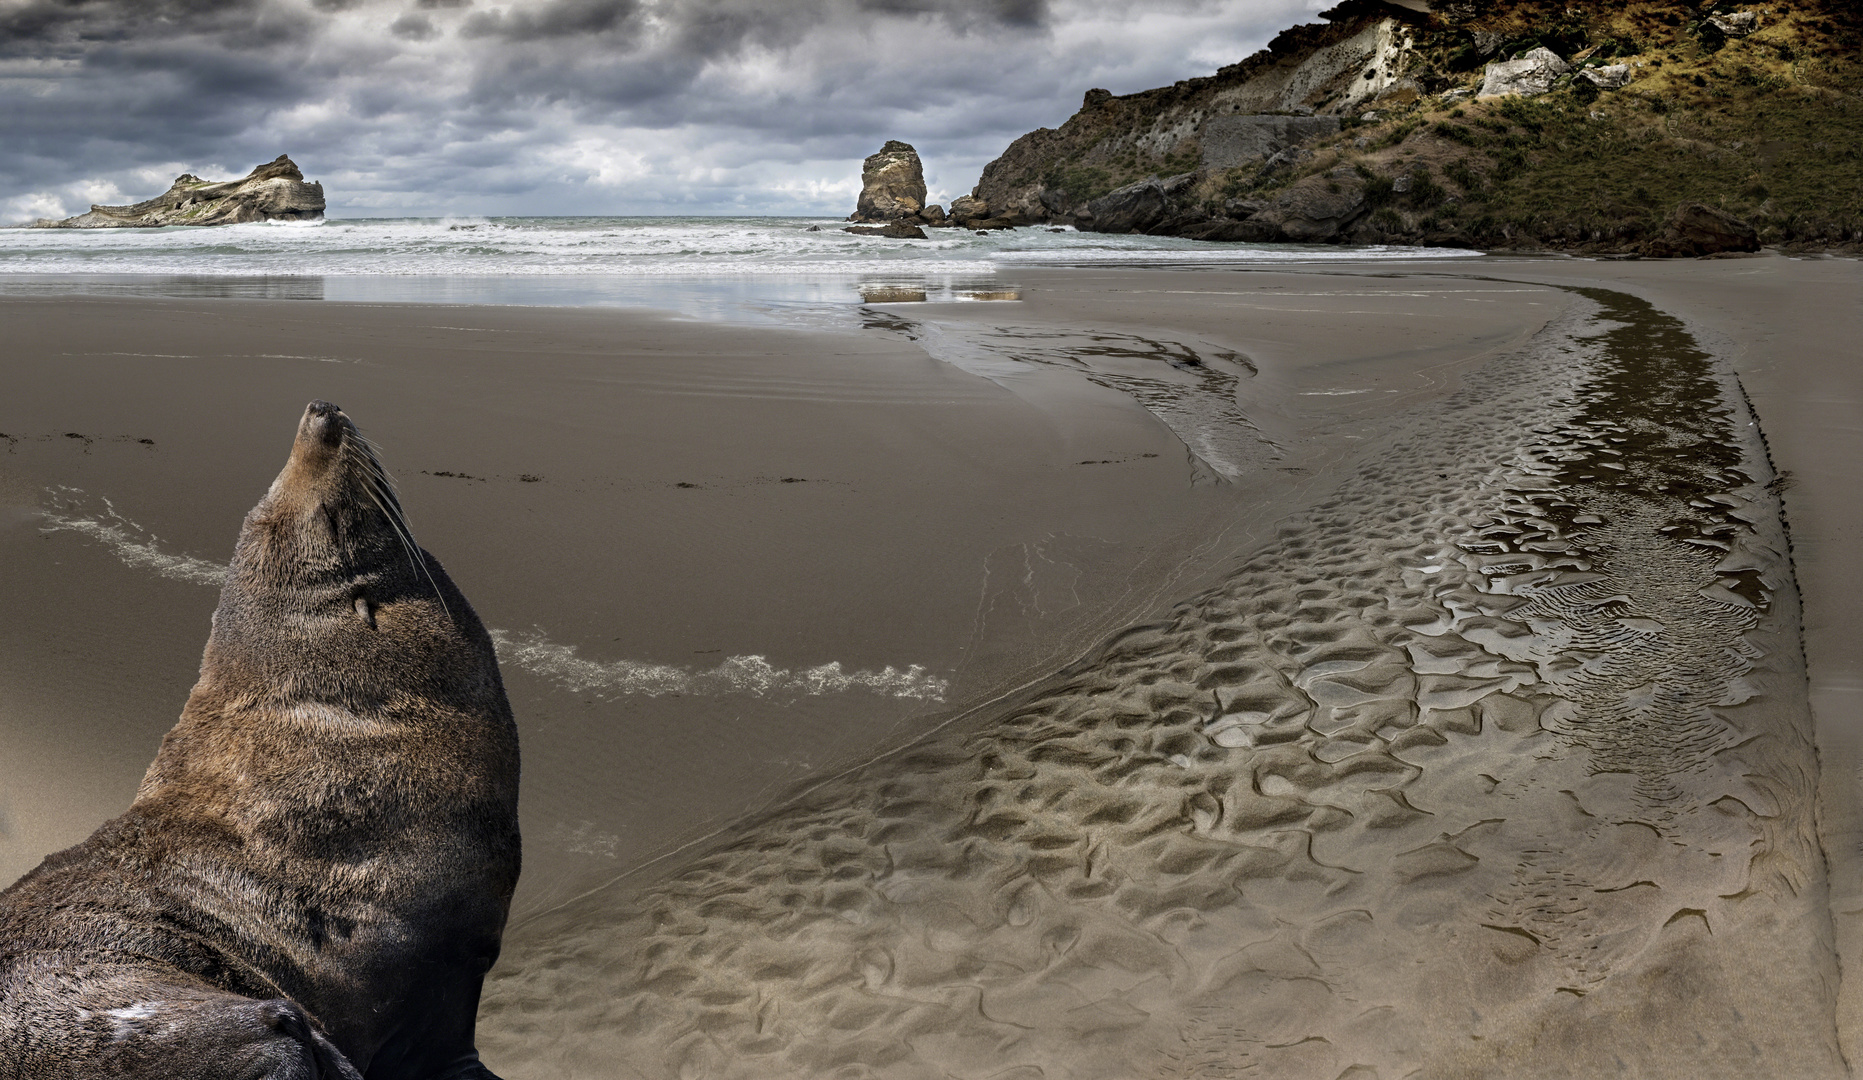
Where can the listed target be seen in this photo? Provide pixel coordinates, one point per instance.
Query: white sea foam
(72, 511)
(609, 248)
(130, 542)
(754, 675)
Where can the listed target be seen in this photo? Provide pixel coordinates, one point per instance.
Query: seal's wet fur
(315, 873)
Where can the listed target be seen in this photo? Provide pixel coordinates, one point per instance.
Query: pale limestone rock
(1530, 74)
(275, 191)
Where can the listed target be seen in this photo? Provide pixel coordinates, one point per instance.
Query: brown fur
(315, 873)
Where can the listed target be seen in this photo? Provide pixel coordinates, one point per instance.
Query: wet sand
(1463, 726)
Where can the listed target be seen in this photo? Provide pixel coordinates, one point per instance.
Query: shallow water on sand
(1494, 763)
(397, 254)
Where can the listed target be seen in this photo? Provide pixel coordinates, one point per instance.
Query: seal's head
(329, 599)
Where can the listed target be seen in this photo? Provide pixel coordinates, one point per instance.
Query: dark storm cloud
(566, 105)
(1005, 12)
(72, 27)
(414, 27)
(555, 19)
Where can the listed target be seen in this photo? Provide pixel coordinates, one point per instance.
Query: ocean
(703, 267)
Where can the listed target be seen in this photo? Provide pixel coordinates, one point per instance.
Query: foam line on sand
(72, 511)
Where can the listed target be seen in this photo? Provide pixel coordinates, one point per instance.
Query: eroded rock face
(1738, 24)
(966, 209)
(892, 185)
(1137, 207)
(1531, 74)
(1608, 77)
(1358, 57)
(1695, 229)
(275, 191)
(1316, 210)
(1229, 141)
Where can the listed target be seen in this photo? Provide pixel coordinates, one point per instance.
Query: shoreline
(1307, 354)
(1146, 905)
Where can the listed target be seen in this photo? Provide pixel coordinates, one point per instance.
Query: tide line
(529, 650)
(753, 675)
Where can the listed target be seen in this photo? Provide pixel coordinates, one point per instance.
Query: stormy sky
(441, 107)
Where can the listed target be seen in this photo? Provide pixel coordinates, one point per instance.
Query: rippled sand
(1481, 747)
(1495, 763)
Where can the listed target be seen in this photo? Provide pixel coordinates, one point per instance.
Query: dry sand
(1463, 726)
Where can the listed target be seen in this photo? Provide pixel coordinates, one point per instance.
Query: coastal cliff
(1603, 127)
(275, 191)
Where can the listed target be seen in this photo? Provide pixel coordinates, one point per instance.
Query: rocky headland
(1652, 127)
(275, 191)
(892, 200)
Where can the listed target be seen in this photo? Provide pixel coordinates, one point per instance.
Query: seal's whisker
(383, 498)
(360, 452)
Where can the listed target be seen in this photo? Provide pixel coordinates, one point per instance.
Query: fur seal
(315, 874)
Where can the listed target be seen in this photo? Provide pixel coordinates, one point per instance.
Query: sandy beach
(1359, 670)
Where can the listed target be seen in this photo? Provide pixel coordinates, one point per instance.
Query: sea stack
(275, 191)
(892, 186)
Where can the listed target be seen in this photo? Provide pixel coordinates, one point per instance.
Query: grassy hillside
(1768, 127)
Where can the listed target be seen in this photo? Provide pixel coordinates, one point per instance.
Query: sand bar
(981, 505)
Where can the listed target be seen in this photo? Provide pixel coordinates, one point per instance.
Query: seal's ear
(366, 611)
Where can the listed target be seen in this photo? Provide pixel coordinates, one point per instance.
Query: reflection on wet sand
(1495, 763)
(1193, 388)
(921, 294)
(172, 286)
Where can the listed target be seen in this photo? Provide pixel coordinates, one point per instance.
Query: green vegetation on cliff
(1756, 110)
(1768, 127)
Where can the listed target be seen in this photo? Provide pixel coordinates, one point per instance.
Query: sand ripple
(1495, 763)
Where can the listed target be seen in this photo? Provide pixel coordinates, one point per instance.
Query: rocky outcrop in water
(892, 185)
(898, 230)
(275, 191)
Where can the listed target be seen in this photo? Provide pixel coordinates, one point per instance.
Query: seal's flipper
(289, 1021)
(191, 1036)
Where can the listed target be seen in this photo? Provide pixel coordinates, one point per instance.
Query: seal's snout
(316, 454)
(323, 423)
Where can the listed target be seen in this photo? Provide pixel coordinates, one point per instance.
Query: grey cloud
(1024, 13)
(65, 27)
(554, 19)
(564, 106)
(413, 27)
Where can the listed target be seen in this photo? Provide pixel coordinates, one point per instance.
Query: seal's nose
(323, 422)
